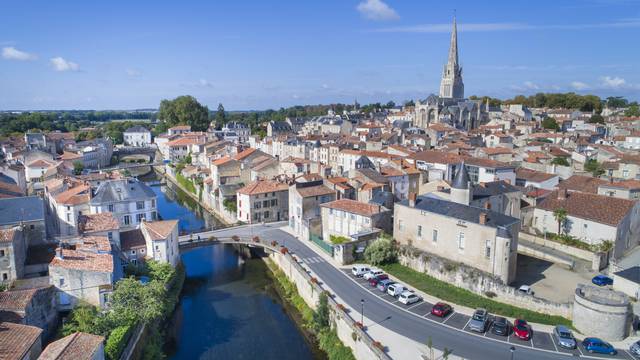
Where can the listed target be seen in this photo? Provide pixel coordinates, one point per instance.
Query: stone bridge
(192, 241)
(131, 150)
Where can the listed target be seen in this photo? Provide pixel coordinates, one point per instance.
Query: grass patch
(456, 295)
(186, 183)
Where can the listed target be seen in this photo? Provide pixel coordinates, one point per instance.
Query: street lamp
(512, 350)
(362, 312)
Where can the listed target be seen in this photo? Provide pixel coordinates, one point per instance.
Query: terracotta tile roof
(132, 239)
(180, 127)
(625, 184)
(16, 340)
(441, 127)
(7, 235)
(377, 154)
(581, 183)
(16, 300)
(184, 141)
(41, 163)
(159, 230)
(67, 155)
(485, 162)
(337, 180)
(390, 171)
(243, 154)
(83, 260)
(221, 161)
(98, 222)
(532, 175)
(76, 195)
(599, 208)
(263, 186)
(437, 157)
(496, 150)
(318, 190)
(77, 346)
(353, 206)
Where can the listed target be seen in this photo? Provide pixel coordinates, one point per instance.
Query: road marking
(580, 351)
(450, 316)
(553, 342)
(628, 353)
(465, 325)
(414, 305)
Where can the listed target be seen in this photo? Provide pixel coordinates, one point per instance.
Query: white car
(526, 290)
(408, 297)
(396, 289)
(359, 270)
(372, 273)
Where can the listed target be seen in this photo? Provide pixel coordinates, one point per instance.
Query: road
(452, 334)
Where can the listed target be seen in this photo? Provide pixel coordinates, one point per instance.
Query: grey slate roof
(461, 181)
(137, 129)
(122, 190)
(461, 212)
(631, 274)
(492, 189)
(15, 210)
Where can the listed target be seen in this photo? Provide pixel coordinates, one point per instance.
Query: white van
(359, 270)
(372, 273)
(396, 289)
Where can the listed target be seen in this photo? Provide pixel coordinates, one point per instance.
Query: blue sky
(267, 54)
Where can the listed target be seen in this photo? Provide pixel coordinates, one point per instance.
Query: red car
(374, 280)
(441, 309)
(521, 329)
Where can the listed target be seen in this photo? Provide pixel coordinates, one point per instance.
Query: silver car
(479, 320)
(564, 337)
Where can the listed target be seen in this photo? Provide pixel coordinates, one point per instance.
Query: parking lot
(539, 340)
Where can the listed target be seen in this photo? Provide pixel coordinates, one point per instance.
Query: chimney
(483, 218)
(59, 253)
(508, 181)
(412, 199)
(487, 206)
(562, 194)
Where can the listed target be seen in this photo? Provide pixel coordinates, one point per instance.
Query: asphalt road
(451, 333)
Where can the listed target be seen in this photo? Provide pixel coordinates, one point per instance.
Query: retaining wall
(348, 331)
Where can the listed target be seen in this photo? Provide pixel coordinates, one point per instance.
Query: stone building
(129, 200)
(353, 219)
(137, 136)
(19, 342)
(34, 307)
(601, 312)
(13, 253)
(263, 201)
(304, 207)
(27, 213)
(77, 346)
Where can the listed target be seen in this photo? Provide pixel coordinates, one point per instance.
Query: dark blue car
(595, 345)
(602, 280)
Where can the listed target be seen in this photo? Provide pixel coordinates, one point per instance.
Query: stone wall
(602, 313)
(476, 281)
(360, 342)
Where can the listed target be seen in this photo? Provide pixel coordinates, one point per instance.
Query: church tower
(451, 85)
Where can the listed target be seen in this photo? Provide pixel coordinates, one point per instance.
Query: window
(353, 217)
(274, 202)
(110, 236)
(127, 220)
(140, 205)
(139, 217)
(153, 203)
(68, 217)
(257, 205)
(266, 214)
(265, 203)
(434, 236)
(142, 251)
(110, 207)
(1, 253)
(33, 226)
(400, 225)
(419, 231)
(133, 252)
(487, 250)
(5, 276)
(61, 282)
(461, 241)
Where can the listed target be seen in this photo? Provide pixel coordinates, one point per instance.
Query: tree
(560, 214)
(593, 167)
(633, 110)
(77, 168)
(132, 301)
(550, 123)
(321, 315)
(615, 102)
(82, 318)
(382, 251)
(221, 116)
(184, 110)
(560, 161)
(596, 119)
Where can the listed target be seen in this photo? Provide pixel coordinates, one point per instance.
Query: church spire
(451, 85)
(453, 46)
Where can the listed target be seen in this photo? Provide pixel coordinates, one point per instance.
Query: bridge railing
(255, 240)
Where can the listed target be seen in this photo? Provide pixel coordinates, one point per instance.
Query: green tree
(615, 102)
(132, 301)
(221, 116)
(160, 271)
(560, 161)
(321, 315)
(593, 167)
(550, 123)
(184, 110)
(82, 318)
(78, 167)
(382, 251)
(560, 214)
(596, 119)
(633, 110)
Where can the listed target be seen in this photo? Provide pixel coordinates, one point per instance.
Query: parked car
(479, 321)
(441, 309)
(500, 326)
(372, 273)
(635, 348)
(602, 280)
(408, 297)
(526, 290)
(384, 285)
(374, 280)
(521, 329)
(564, 337)
(396, 289)
(359, 270)
(599, 346)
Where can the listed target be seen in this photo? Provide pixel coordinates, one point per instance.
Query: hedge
(117, 341)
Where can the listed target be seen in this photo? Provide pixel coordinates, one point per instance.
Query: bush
(330, 343)
(381, 252)
(230, 205)
(321, 315)
(338, 239)
(117, 341)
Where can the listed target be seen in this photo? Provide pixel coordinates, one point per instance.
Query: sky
(252, 55)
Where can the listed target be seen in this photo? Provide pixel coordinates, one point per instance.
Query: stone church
(451, 107)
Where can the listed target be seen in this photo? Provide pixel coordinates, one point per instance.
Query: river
(228, 309)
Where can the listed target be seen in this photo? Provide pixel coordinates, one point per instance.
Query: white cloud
(132, 72)
(531, 86)
(11, 53)
(204, 83)
(579, 85)
(613, 82)
(325, 86)
(377, 10)
(60, 64)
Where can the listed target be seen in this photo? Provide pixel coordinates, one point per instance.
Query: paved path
(413, 321)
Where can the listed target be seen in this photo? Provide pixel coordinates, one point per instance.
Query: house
(241, 131)
(304, 207)
(137, 136)
(179, 129)
(77, 346)
(486, 170)
(27, 213)
(452, 229)
(537, 179)
(353, 219)
(591, 218)
(13, 254)
(275, 128)
(129, 200)
(625, 189)
(66, 200)
(161, 238)
(33, 307)
(582, 183)
(19, 342)
(101, 224)
(96, 153)
(133, 246)
(83, 269)
(263, 201)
